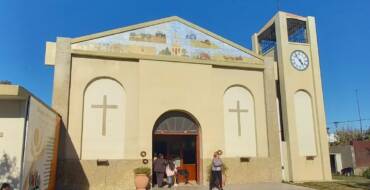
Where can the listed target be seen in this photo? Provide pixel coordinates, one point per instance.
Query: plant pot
(141, 181)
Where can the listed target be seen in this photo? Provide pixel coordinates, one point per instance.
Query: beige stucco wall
(239, 114)
(154, 87)
(12, 124)
(309, 80)
(85, 71)
(103, 120)
(86, 175)
(304, 123)
(199, 90)
(163, 86)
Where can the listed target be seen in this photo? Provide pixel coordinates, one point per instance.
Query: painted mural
(167, 39)
(39, 147)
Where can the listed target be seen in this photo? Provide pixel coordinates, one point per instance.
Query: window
(267, 39)
(297, 31)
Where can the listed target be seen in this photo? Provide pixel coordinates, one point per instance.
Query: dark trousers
(154, 179)
(160, 176)
(170, 180)
(216, 180)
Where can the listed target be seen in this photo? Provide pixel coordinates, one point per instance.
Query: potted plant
(142, 175)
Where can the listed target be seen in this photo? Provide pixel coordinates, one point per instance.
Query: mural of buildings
(165, 51)
(203, 44)
(158, 37)
(171, 38)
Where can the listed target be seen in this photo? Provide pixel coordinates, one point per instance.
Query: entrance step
(253, 186)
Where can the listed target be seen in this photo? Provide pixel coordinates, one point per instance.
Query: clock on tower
(299, 60)
(291, 41)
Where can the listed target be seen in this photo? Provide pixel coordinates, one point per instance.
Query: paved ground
(252, 186)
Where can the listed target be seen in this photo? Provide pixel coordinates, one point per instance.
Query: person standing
(170, 172)
(216, 177)
(154, 176)
(159, 169)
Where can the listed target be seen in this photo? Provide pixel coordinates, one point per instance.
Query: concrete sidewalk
(251, 186)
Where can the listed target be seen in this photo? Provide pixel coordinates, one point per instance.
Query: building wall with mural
(29, 136)
(126, 79)
(167, 39)
(39, 148)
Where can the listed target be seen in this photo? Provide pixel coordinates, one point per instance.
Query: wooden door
(189, 157)
(182, 148)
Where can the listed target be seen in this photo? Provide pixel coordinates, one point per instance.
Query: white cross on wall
(104, 106)
(238, 111)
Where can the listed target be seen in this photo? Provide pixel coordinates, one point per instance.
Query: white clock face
(299, 60)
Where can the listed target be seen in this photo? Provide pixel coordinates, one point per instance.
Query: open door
(176, 136)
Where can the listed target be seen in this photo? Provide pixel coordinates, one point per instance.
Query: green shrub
(143, 170)
(366, 173)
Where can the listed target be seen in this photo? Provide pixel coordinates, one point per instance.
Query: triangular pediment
(169, 37)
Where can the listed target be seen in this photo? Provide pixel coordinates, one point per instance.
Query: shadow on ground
(340, 182)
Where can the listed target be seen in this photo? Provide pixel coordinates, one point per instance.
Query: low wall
(256, 170)
(87, 175)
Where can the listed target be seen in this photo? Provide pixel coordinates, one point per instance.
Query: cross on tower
(104, 106)
(238, 111)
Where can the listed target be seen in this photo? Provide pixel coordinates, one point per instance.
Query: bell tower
(292, 42)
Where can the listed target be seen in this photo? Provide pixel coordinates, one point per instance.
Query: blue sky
(343, 32)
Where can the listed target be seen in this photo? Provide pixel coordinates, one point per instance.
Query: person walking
(159, 169)
(170, 172)
(216, 176)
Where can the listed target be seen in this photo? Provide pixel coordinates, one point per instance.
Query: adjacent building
(29, 138)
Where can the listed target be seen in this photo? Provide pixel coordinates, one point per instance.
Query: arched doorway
(176, 135)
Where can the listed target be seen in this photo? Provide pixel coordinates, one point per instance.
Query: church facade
(171, 87)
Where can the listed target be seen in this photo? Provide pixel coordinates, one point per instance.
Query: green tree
(8, 170)
(345, 136)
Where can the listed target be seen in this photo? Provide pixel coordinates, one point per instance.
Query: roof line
(272, 20)
(22, 92)
(160, 21)
(122, 29)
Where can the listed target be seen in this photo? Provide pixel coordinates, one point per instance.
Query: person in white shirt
(216, 177)
(170, 172)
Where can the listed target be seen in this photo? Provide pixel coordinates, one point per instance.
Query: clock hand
(300, 61)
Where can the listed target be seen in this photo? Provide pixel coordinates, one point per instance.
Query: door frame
(199, 176)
